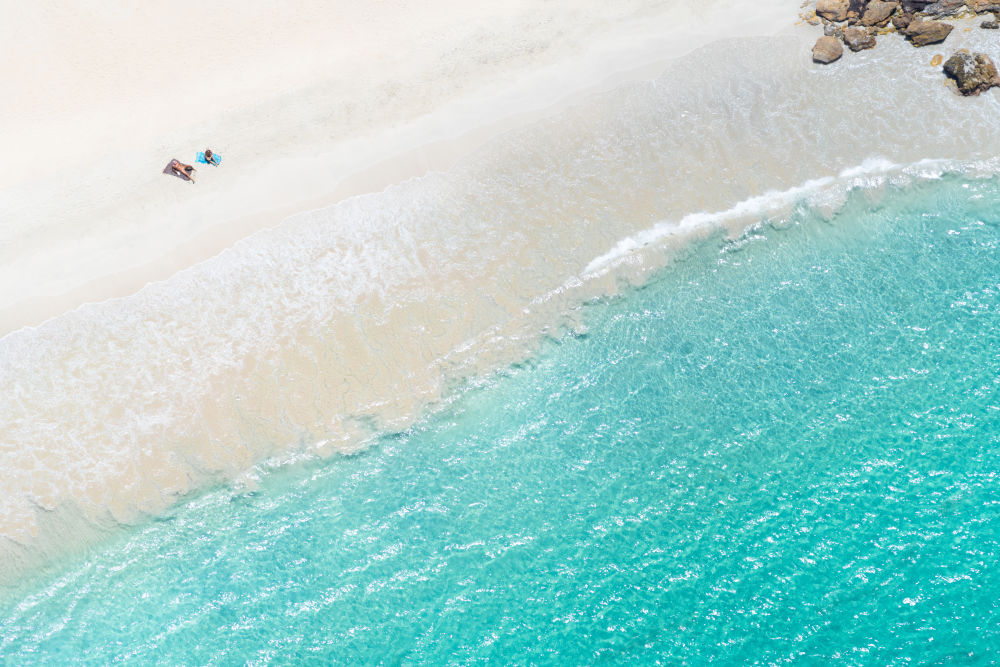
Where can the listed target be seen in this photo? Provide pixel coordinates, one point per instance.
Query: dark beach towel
(170, 171)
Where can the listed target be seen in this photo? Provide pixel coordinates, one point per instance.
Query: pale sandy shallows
(308, 102)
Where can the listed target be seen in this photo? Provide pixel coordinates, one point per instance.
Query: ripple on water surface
(784, 447)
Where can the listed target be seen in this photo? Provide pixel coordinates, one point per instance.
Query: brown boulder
(973, 73)
(832, 10)
(989, 25)
(922, 33)
(901, 21)
(827, 49)
(878, 13)
(858, 39)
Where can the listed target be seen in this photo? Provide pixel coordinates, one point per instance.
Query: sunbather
(181, 169)
(210, 157)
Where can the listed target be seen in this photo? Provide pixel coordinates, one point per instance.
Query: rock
(973, 73)
(832, 10)
(989, 25)
(983, 6)
(833, 30)
(914, 6)
(854, 9)
(858, 39)
(936, 60)
(878, 13)
(827, 49)
(922, 33)
(901, 21)
(943, 8)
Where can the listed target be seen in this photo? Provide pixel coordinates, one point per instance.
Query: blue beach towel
(201, 158)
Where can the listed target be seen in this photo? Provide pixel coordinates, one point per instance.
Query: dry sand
(308, 103)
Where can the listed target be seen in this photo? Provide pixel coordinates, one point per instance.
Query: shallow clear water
(784, 447)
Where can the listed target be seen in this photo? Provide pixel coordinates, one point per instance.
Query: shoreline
(29, 557)
(138, 239)
(309, 336)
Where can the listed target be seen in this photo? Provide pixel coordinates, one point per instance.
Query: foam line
(774, 201)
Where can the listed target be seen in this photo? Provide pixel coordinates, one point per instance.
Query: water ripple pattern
(782, 449)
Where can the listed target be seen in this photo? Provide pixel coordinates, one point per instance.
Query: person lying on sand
(182, 169)
(210, 157)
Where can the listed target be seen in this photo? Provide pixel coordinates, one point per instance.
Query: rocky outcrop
(858, 39)
(973, 72)
(832, 10)
(922, 33)
(856, 23)
(878, 13)
(827, 49)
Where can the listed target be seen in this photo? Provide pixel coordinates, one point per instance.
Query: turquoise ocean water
(780, 449)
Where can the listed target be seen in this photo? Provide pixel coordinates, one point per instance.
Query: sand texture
(309, 103)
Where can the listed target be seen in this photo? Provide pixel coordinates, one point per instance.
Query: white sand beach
(307, 103)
